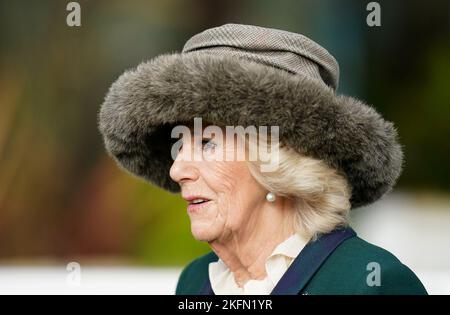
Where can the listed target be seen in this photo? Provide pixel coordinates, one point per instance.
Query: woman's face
(231, 195)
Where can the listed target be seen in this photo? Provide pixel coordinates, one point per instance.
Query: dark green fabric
(343, 272)
(194, 276)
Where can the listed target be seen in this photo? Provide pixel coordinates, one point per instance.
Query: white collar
(223, 282)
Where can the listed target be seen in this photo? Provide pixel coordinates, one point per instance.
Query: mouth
(196, 203)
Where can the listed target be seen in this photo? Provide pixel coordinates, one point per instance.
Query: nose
(183, 168)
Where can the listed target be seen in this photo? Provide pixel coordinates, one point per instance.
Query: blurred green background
(62, 197)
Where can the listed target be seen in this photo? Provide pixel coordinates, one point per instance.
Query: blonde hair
(320, 193)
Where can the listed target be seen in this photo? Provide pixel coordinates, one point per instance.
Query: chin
(202, 234)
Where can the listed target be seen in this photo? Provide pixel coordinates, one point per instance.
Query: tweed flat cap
(249, 75)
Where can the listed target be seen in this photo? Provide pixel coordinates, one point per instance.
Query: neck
(246, 250)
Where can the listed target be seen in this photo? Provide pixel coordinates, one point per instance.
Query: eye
(207, 144)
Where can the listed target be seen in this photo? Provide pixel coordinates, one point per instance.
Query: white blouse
(223, 282)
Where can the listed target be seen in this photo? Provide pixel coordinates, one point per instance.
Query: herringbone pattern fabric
(289, 51)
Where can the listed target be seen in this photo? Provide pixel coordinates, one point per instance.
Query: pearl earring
(270, 197)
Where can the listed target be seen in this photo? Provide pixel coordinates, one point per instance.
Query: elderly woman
(281, 231)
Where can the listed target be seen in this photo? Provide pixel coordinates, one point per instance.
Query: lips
(195, 199)
(196, 202)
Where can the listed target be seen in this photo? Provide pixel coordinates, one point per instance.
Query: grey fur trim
(142, 105)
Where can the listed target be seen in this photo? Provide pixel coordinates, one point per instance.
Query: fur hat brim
(142, 105)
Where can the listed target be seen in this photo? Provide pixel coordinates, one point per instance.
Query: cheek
(236, 191)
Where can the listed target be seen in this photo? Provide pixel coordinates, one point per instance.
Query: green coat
(337, 263)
